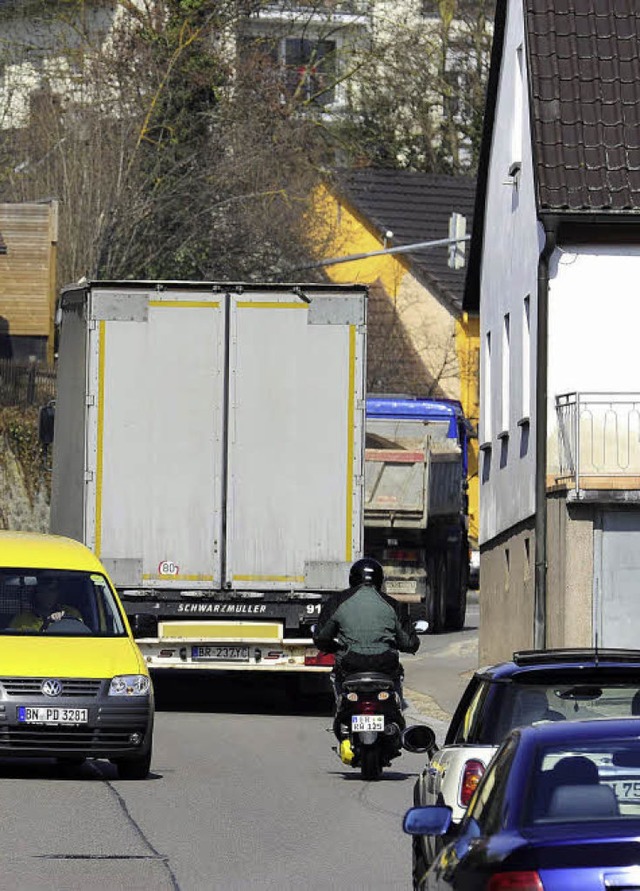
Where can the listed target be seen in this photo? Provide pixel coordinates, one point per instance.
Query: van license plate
(40, 715)
(220, 654)
(365, 723)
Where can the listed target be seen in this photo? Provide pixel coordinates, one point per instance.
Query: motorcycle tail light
(383, 695)
(368, 707)
(352, 697)
(319, 659)
(527, 880)
(473, 771)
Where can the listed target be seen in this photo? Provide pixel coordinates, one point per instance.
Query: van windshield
(57, 601)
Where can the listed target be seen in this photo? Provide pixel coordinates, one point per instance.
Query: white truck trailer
(209, 443)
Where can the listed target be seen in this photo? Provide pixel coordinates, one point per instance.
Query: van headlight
(130, 685)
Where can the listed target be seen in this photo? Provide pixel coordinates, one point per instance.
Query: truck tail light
(319, 659)
(473, 771)
(528, 880)
(404, 556)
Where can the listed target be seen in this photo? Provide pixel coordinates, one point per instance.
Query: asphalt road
(245, 793)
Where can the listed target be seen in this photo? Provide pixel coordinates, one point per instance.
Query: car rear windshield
(37, 601)
(589, 696)
(585, 783)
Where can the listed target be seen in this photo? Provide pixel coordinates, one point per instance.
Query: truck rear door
(157, 378)
(296, 388)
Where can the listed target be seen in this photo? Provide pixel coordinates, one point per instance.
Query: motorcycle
(370, 726)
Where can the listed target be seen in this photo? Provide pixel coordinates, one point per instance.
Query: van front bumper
(106, 726)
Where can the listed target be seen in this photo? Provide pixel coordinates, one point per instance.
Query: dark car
(557, 810)
(551, 685)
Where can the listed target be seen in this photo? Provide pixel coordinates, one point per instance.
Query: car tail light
(473, 771)
(515, 881)
(320, 659)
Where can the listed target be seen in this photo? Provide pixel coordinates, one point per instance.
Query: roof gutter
(540, 591)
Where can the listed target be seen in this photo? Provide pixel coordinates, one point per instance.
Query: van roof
(40, 551)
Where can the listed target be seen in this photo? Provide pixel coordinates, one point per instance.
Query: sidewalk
(437, 675)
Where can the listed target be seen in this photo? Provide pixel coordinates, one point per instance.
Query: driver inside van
(46, 608)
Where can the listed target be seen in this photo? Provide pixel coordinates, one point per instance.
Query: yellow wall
(416, 344)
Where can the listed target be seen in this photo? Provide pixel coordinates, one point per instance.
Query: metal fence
(598, 435)
(26, 383)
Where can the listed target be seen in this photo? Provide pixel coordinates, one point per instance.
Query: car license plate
(626, 790)
(364, 723)
(43, 715)
(220, 654)
(402, 586)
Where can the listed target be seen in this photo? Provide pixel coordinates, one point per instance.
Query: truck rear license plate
(220, 654)
(365, 723)
(41, 715)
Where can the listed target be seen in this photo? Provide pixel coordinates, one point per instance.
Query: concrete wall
(508, 578)
(569, 574)
(506, 594)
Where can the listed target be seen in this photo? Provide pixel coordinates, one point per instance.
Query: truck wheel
(457, 594)
(441, 585)
(429, 612)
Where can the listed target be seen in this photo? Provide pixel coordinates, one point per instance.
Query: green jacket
(362, 620)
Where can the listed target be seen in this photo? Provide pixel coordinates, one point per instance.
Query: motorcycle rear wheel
(370, 763)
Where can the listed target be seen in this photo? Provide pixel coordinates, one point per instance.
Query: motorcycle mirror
(421, 626)
(419, 738)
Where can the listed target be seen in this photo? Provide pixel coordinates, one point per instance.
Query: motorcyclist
(364, 627)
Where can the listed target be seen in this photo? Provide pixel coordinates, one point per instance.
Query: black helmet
(366, 571)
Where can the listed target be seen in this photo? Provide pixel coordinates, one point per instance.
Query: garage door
(617, 601)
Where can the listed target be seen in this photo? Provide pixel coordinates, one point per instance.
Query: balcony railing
(320, 8)
(599, 440)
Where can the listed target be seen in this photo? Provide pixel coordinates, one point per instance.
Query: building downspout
(540, 591)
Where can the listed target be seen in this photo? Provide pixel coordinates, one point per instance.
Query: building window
(310, 69)
(506, 376)
(526, 357)
(486, 390)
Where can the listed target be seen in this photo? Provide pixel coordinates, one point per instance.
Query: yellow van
(73, 683)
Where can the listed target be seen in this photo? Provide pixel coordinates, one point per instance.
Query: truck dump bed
(413, 470)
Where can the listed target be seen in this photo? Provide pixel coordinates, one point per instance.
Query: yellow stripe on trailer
(238, 632)
(268, 578)
(350, 449)
(102, 334)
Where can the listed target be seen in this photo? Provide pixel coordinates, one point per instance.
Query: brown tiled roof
(584, 65)
(583, 62)
(415, 207)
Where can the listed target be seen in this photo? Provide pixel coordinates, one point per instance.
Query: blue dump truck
(416, 505)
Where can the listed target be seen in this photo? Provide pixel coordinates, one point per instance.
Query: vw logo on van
(51, 687)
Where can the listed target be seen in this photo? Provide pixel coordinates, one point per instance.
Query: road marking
(426, 705)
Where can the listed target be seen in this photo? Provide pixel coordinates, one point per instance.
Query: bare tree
(421, 89)
(168, 161)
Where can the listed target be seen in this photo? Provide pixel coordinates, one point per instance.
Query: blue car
(558, 809)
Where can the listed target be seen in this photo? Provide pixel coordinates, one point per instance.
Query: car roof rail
(585, 654)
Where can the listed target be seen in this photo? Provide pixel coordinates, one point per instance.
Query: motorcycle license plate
(364, 723)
